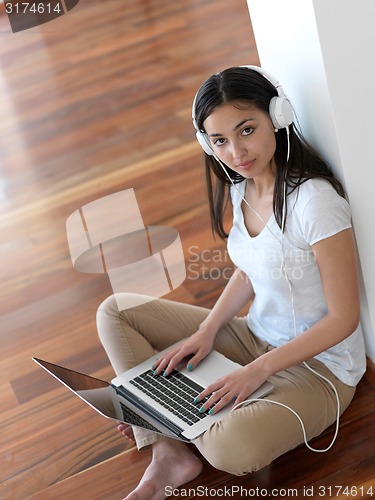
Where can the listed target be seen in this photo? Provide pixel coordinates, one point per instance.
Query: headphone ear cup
(201, 138)
(281, 112)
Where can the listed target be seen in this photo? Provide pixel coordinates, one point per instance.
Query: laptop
(161, 404)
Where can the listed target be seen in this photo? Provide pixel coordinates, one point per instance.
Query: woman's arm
(237, 293)
(336, 260)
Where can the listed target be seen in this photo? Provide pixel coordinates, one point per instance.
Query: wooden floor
(95, 102)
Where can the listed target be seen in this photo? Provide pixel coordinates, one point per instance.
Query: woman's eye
(219, 142)
(247, 131)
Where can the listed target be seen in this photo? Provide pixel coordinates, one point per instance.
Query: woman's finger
(161, 363)
(212, 400)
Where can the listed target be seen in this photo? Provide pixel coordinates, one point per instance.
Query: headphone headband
(271, 78)
(280, 110)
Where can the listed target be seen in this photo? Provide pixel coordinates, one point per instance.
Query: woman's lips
(245, 165)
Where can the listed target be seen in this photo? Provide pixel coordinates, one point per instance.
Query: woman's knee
(114, 306)
(234, 460)
(106, 313)
(108, 306)
(227, 449)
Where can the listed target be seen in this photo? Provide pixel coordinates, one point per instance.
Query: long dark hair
(244, 84)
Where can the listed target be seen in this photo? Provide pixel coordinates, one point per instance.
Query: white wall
(321, 52)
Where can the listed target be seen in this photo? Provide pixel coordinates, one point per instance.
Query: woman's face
(243, 137)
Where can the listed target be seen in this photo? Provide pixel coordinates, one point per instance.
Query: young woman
(292, 245)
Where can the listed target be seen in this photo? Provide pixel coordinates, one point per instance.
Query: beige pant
(250, 437)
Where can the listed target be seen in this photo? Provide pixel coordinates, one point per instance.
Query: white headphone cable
(245, 200)
(284, 270)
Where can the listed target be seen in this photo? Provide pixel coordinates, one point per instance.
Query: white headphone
(280, 110)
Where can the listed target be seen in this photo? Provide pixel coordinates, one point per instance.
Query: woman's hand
(198, 345)
(237, 386)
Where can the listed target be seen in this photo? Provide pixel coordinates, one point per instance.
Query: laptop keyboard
(132, 418)
(176, 393)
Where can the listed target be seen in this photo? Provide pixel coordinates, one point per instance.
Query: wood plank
(109, 478)
(8, 397)
(55, 436)
(92, 103)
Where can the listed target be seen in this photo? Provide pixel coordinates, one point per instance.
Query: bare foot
(172, 465)
(126, 430)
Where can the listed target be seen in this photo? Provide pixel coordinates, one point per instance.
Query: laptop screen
(97, 393)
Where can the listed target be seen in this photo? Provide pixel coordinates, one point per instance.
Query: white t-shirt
(315, 212)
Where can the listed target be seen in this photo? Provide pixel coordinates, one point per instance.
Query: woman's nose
(237, 149)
